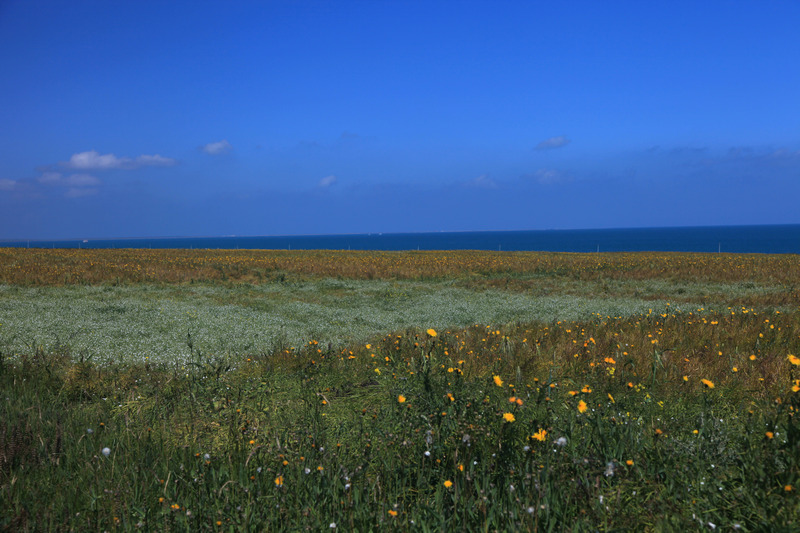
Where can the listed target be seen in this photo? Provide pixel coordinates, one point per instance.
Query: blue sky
(123, 119)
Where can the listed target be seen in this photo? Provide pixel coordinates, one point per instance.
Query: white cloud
(327, 181)
(547, 176)
(483, 181)
(93, 160)
(154, 161)
(73, 180)
(7, 184)
(50, 178)
(553, 142)
(81, 180)
(784, 153)
(218, 148)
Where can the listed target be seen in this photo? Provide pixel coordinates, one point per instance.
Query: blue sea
(767, 239)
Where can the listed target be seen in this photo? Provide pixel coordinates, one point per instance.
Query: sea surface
(767, 239)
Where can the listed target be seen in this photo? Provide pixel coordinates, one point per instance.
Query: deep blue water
(781, 239)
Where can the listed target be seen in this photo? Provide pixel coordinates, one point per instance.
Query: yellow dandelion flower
(461, 468)
(611, 398)
(582, 407)
(498, 381)
(793, 359)
(586, 389)
(392, 512)
(432, 332)
(788, 488)
(610, 360)
(279, 481)
(753, 357)
(401, 399)
(508, 417)
(540, 435)
(770, 435)
(448, 484)
(629, 462)
(708, 383)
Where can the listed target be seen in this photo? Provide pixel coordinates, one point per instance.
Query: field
(178, 390)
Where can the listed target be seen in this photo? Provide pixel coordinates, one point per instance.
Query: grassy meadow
(187, 390)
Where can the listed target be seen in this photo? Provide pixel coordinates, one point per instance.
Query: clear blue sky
(122, 119)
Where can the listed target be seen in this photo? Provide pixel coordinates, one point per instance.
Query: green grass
(276, 407)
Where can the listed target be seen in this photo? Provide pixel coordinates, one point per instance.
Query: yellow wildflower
(582, 407)
(448, 484)
(540, 435)
(401, 399)
(432, 332)
(498, 381)
(708, 383)
(508, 417)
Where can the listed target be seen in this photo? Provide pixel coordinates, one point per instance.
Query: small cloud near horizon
(218, 148)
(548, 176)
(78, 193)
(92, 160)
(327, 181)
(7, 184)
(482, 182)
(553, 142)
(73, 180)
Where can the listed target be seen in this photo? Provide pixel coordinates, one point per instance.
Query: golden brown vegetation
(70, 266)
